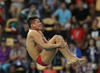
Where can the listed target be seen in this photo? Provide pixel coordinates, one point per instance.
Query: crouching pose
(41, 50)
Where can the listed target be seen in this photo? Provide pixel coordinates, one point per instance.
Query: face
(32, 7)
(80, 5)
(72, 46)
(3, 44)
(36, 24)
(63, 6)
(16, 45)
(94, 23)
(91, 42)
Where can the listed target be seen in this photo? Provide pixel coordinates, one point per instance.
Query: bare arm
(39, 40)
(54, 18)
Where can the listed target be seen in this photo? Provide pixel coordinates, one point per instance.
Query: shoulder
(33, 33)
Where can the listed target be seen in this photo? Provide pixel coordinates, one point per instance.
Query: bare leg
(48, 55)
(65, 51)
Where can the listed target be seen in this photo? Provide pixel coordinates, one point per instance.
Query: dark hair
(30, 19)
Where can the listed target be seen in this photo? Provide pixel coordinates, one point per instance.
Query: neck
(91, 46)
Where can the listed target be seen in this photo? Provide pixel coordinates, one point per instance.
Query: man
(80, 12)
(41, 50)
(27, 12)
(77, 34)
(64, 16)
(75, 50)
(94, 33)
(4, 55)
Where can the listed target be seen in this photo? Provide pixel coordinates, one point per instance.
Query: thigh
(48, 55)
(56, 39)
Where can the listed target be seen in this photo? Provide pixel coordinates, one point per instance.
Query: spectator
(92, 52)
(64, 16)
(74, 50)
(77, 34)
(4, 55)
(87, 68)
(12, 69)
(17, 53)
(80, 12)
(2, 11)
(16, 7)
(27, 12)
(21, 41)
(45, 12)
(32, 68)
(51, 3)
(94, 32)
(23, 30)
(1, 70)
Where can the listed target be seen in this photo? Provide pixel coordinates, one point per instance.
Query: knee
(58, 37)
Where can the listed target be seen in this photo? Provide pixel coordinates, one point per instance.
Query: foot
(72, 61)
(79, 61)
(82, 61)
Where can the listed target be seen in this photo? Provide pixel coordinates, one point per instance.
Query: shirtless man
(41, 50)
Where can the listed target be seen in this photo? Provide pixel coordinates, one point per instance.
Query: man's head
(77, 25)
(32, 7)
(80, 5)
(63, 5)
(72, 45)
(95, 23)
(34, 23)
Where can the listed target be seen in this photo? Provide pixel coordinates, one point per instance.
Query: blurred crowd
(75, 20)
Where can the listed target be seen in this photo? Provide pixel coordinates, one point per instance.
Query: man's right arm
(39, 40)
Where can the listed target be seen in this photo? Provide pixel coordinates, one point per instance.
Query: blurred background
(78, 21)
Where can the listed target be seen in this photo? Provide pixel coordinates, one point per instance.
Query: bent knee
(58, 37)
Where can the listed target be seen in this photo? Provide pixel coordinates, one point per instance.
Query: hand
(62, 44)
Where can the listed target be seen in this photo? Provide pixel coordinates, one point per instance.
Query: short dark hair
(30, 19)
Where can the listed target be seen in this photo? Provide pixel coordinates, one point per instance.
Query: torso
(33, 48)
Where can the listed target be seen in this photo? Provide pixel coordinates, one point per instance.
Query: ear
(32, 25)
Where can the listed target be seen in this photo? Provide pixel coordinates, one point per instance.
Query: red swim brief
(39, 61)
